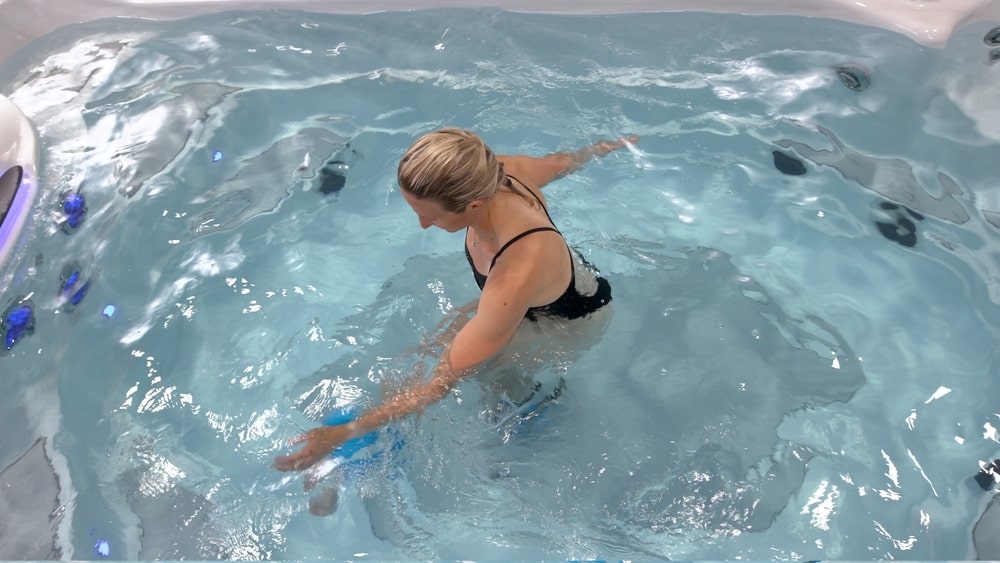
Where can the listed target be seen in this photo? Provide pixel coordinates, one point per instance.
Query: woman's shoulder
(532, 171)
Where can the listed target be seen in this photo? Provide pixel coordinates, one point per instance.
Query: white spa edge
(19, 146)
(930, 22)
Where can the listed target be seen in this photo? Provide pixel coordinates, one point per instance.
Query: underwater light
(102, 548)
(71, 288)
(74, 209)
(17, 322)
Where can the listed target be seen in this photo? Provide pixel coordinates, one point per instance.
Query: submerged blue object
(216, 156)
(108, 311)
(359, 453)
(17, 323)
(351, 447)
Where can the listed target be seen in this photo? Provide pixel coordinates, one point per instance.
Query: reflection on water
(149, 140)
(262, 181)
(891, 177)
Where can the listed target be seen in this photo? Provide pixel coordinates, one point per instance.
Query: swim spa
(801, 361)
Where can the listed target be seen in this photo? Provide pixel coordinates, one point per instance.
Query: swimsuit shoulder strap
(553, 228)
(534, 195)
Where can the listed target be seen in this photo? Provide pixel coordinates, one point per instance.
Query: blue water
(778, 379)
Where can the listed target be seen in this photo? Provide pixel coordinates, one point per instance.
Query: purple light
(17, 216)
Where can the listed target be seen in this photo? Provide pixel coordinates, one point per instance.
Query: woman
(525, 269)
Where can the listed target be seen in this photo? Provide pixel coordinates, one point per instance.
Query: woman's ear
(474, 205)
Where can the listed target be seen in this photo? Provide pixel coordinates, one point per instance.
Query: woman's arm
(446, 329)
(500, 311)
(319, 442)
(539, 171)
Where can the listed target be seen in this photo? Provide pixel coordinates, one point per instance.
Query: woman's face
(431, 212)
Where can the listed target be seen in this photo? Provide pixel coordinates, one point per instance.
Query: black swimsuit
(571, 304)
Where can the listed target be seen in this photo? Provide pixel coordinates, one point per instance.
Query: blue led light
(72, 288)
(74, 207)
(18, 322)
(70, 282)
(74, 204)
(77, 297)
(109, 311)
(216, 156)
(102, 548)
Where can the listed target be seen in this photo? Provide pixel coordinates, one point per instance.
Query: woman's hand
(602, 148)
(319, 443)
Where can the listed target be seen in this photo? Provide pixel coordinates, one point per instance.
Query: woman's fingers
(291, 462)
(605, 147)
(300, 459)
(623, 141)
(316, 446)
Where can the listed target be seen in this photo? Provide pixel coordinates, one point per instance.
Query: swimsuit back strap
(517, 238)
(534, 195)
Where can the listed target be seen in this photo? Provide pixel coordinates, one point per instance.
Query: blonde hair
(452, 166)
